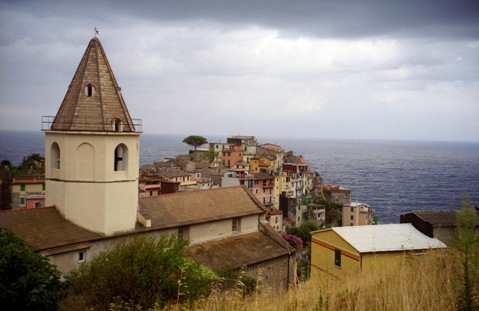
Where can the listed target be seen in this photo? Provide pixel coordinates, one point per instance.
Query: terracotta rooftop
(28, 179)
(234, 252)
(93, 101)
(45, 228)
(185, 208)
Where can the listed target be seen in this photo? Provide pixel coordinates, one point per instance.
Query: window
(55, 156)
(352, 209)
(352, 217)
(236, 225)
(43, 187)
(337, 258)
(117, 125)
(22, 187)
(81, 256)
(89, 90)
(121, 158)
(22, 201)
(183, 232)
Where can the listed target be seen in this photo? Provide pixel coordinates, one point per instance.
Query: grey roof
(438, 218)
(262, 176)
(391, 237)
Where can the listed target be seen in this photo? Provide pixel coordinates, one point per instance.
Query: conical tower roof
(93, 101)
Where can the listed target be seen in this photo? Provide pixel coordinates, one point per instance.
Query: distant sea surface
(393, 177)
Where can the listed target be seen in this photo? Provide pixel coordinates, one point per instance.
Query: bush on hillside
(28, 281)
(293, 240)
(142, 272)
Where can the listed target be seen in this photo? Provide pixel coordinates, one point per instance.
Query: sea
(393, 177)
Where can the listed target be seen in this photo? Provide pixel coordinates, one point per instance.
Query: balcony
(136, 124)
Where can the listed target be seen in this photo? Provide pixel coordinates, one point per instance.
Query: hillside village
(283, 182)
(233, 208)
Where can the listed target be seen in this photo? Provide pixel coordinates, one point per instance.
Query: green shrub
(28, 281)
(143, 271)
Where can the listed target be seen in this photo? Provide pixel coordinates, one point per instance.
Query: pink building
(263, 189)
(276, 220)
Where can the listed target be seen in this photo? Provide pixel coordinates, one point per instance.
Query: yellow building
(261, 164)
(340, 249)
(281, 184)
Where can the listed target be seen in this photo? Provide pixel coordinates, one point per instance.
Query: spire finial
(96, 31)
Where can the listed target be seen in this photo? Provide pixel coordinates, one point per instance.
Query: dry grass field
(422, 283)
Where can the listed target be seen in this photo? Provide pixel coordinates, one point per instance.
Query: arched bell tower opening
(121, 158)
(91, 150)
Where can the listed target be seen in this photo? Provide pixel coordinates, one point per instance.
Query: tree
(210, 156)
(304, 231)
(141, 272)
(32, 163)
(6, 179)
(28, 281)
(467, 243)
(195, 141)
(308, 214)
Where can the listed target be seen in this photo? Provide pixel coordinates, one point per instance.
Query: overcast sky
(354, 69)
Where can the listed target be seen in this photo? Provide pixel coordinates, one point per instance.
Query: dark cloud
(321, 18)
(434, 18)
(332, 66)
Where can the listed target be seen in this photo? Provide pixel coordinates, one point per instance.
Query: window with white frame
(81, 256)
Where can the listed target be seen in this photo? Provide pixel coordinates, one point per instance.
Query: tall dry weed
(420, 283)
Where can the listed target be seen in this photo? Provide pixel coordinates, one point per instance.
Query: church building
(92, 150)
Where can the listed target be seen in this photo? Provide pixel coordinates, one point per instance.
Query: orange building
(232, 156)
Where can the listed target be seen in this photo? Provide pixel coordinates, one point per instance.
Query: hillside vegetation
(441, 279)
(429, 282)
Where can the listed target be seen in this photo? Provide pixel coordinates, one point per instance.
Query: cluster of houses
(232, 209)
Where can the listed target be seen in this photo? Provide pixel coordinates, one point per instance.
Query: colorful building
(28, 192)
(357, 214)
(261, 164)
(232, 156)
(339, 249)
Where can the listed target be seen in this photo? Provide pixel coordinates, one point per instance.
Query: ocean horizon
(393, 177)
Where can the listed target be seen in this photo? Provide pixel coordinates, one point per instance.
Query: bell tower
(92, 150)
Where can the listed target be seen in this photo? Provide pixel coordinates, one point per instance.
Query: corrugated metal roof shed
(382, 238)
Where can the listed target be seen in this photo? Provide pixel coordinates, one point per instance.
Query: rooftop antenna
(96, 31)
